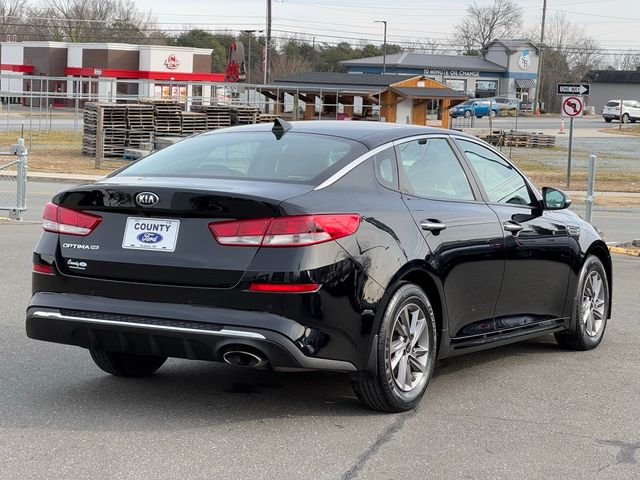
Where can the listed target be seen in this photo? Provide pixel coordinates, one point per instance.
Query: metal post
(536, 91)
(590, 186)
(570, 151)
(21, 187)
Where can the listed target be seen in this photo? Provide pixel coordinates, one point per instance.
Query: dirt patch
(633, 130)
(59, 152)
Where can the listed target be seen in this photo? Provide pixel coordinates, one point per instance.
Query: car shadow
(191, 394)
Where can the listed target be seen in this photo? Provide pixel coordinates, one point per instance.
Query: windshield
(296, 157)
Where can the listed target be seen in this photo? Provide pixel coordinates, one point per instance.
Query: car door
(463, 233)
(538, 247)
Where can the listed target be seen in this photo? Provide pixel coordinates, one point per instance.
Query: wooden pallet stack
(193, 122)
(517, 139)
(218, 116)
(267, 117)
(540, 140)
(114, 127)
(245, 114)
(167, 118)
(140, 125)
(529, 140)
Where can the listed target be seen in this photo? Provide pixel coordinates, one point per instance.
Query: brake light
(284, 287)
(294, 231)
(59, 219)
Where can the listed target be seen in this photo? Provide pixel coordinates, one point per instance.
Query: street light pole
(384, 48)
(536, 94)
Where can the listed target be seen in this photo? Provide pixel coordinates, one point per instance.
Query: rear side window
(433, 170)
(296, 157)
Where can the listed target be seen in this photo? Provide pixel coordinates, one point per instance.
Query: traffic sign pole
(570, 150)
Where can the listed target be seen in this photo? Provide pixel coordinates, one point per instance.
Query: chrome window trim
(222, 333)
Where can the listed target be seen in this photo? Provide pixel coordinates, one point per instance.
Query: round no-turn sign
(572, 106)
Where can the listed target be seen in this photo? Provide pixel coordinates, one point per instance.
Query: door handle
(432, 225)
(512, 227)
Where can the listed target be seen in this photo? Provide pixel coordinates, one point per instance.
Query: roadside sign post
(572, 106)
(590, 187)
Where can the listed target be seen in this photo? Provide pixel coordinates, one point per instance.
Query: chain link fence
(13, 180)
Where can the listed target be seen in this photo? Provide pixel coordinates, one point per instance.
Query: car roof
(371, 134)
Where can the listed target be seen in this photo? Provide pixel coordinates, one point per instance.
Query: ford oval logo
(149, 237)
(145, 199)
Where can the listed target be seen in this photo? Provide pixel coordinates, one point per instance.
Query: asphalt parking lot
(526, 411)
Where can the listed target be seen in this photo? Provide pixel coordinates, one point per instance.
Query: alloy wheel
(409, 347)
(593, 304)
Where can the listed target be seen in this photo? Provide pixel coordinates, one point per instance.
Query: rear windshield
(613, 104)
(296, 157)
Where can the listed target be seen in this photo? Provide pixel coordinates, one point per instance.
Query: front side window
(500, 180)
(433, 170)
(295, 157)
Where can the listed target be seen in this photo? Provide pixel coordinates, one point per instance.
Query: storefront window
(456, 84)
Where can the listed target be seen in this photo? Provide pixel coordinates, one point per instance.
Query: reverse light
(41, 268)
(293, 231)
(284, 287)
(59, 219)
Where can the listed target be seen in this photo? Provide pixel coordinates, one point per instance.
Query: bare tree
(12, 13)
(629, 60)
(569, 53)
(90, 21)
(503, 18)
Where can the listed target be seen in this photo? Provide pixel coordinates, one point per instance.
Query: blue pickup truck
(476, 107)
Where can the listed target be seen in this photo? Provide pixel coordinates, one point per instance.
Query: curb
(631, 251)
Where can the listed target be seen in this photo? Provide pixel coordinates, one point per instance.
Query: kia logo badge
(146, 199)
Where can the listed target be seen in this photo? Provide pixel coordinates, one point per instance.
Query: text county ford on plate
(151, 234)
(366, 248)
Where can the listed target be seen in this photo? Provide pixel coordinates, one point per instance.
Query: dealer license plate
(151, 234)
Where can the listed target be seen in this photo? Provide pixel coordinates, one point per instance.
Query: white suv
(630, 111)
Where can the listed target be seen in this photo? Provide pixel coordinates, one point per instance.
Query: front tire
(126, 364)
(492, 114)
(591, 306)
(407, 342)
(625, 118)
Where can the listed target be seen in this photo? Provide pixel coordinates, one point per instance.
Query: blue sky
(613, 23)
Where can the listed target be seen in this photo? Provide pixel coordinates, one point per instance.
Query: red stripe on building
(17, 68)
(139, 74)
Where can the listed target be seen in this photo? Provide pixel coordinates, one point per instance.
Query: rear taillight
(294, 231)
(59, 219)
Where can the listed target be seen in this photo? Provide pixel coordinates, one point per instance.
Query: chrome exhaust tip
(244, 359)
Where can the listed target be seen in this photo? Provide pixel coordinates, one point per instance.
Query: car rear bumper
(172, 330)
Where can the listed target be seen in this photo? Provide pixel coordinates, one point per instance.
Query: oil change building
(101, 71)
(506, 68)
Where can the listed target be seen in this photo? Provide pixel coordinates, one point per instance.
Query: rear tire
(591, 305)
(467, 114)
(126, 364)
(407, 342)
(608, 120)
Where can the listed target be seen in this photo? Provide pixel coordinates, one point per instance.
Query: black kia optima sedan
(367, 248)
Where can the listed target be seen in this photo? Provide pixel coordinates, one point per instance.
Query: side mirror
(554, 199)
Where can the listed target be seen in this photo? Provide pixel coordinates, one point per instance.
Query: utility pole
(536, 95)
(267, 43)
(250, 33)
(384, 47)
(313, 54)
